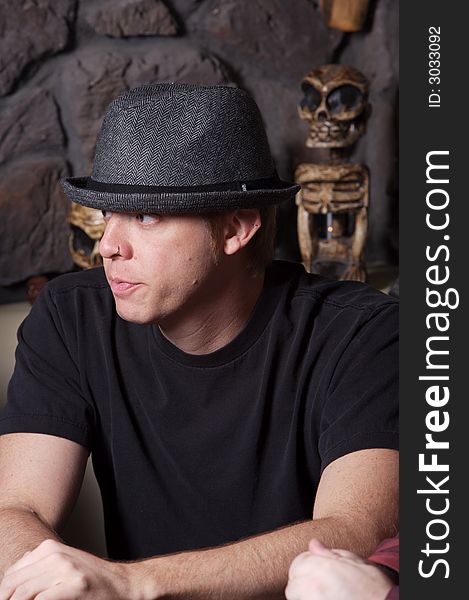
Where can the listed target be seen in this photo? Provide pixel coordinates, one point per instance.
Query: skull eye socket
(82, 242)
(344, 98)
(311, 98)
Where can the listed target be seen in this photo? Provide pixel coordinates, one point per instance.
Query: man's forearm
(255, 568)
(252, 569)
(21, 530)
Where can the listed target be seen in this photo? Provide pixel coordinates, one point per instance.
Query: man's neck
(215, 324)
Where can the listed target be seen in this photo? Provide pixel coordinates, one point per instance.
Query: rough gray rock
(90, 81)
(176, 61)
(96, 76)
(33, 229)
(30, 31)
(29, 123)
(126, 18)
(273, 37)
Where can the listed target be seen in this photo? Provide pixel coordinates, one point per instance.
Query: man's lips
(121, 286)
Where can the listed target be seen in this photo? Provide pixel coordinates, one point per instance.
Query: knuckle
(301, 560)
(49, 544)
(23, 591)
(67, 566)
(80, 582)
(60, 562)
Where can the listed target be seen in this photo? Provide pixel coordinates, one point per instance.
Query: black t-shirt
(193, 451)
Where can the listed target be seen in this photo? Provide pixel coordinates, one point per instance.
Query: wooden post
(346, 15)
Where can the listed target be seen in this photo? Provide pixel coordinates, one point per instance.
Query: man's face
(158, 266)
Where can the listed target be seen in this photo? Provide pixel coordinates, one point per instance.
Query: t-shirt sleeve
(393, 593)
(44, 393)
(362, 407)
(387, 554)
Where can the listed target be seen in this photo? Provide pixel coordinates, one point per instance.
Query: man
(323, 574)
(233, 408)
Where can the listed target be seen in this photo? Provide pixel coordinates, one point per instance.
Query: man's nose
(113, 242)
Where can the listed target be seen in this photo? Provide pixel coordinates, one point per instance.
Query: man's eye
(147, 219)
(106, 214)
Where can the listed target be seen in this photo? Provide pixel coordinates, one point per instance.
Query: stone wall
(62, 61)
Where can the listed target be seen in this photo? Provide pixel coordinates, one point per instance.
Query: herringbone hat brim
(176, 202)
(180, 148)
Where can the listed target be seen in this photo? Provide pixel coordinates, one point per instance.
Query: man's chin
(133, 315)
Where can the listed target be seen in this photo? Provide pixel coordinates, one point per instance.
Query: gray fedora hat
(180, 148)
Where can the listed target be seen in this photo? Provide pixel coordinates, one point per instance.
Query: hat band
(231, 186)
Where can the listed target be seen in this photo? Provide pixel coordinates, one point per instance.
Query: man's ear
(240, 226)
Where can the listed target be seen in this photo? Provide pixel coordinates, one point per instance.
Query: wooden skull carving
(87, 227)
(332, 218)
(335, 103)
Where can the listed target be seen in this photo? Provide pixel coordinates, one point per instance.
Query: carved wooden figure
(333, 201)
(332, 218)
(87, 228)
(335, 103)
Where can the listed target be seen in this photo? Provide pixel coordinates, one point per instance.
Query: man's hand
(323, 574)
(54, 571)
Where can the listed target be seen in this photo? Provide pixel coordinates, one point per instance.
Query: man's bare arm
(40, 476)
(356, 506)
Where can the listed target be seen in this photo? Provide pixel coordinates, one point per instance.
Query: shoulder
(82, 280)
(336, 296)
(91, 283)
(75, 295)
